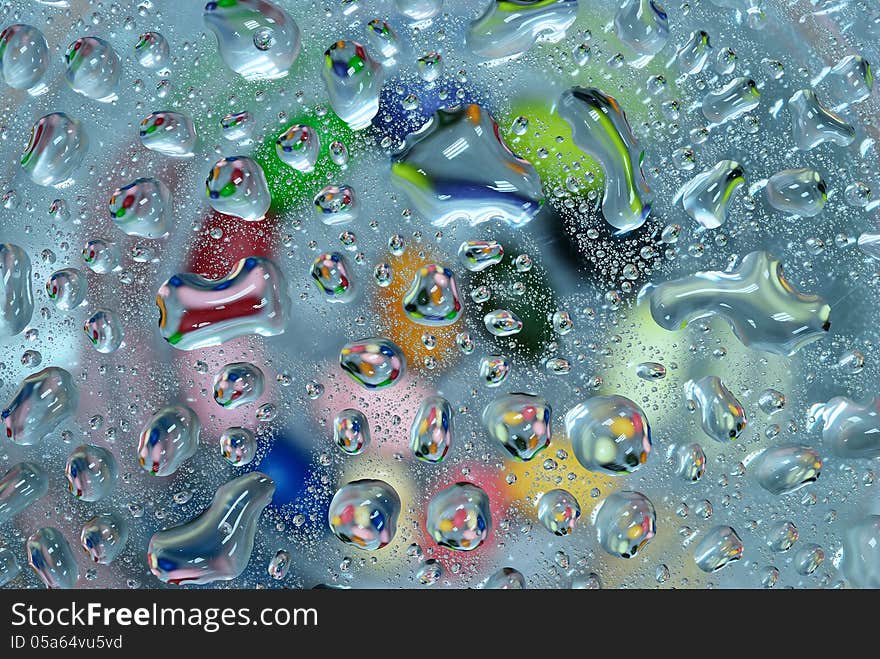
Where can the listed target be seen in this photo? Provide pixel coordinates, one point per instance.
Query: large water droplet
(609, 434)
(797, 191)
(168, 439)
(354, 83)
(93, 69)
(510, 28)
(22, 485)
(373, 363)
(364, 514)
(625, 522)
(24, 57)
(141, 208)
(433, 298)
(51, 558)
(722, 417)
(57, 146)
(784, 469)
(718, 547)
(91, 472)
(432, 429)
(104, 536)
(16, 294)
(237, 186)
(521, 423)
(43, 402)
(459, 517)
(169, 133)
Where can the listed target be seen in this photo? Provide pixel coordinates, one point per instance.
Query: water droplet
(44, 401)
(238, 446)
(559, 511)
(238, 383)
(169, 133)
(364, 514)
(718, 547)
(104, 536)
(520, 423)
(351, 431)
(141, 208)
(609, 434)
(625, 522)
(511, 28)
(93, 69)
(432, 429)
(722, 417)
(459, 517)
(57, 146)
(432, 298)
(91, 473)
(168, 439)
(51, 558)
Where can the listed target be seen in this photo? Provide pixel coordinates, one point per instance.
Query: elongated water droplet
(22, 485)
(722, 417)
(432, 429)
(43, 402)
(51, 558)
(169, 438)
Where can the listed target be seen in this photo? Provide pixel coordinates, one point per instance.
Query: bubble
(151, 50)
(808, 559)
(336, 205)
(722, 417)
(520, 423)
(600, 129)
(625, 522)
(238, 383)
(861, 553)
(354, 82)
(609, 434)
(507, 29)
(763, 309)
(382, 40)
(559, 511)
(168, 133)
(784, 469)
(57, 146)
(238, 126)
(208, 548)
(141, 208)
(797, 191)
(642, 25)
(104, 536)
(718, 547)
(850, 428)
(694, 53)
(782, 537)
(812, 124)
(651, 371)
(690, 462)
(16, 294)
(459, 517)
(733, 100)
(21, 486)
(418, 10)
(101, 256)
(104, 330)
(251, 299)
(92, 69)
(256, 39)
(279, 565)
(91, 473)
(507, 578)
(43, 402)
(168, 439)
(51, 558)
(477, 255)
(364, 514)
(502, 322)
(493, 369)
(9, 567)
(237, 186)
(456, 167)
(298, 147)
(374, 363)
(24, 57)
(433, 298)
(351, 431)
(238, 446)
(432, 429)
(707, 196)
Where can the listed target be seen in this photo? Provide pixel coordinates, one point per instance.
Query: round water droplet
(169, 438)
(459, 517)
(373, 363)
(24, 57)
(152, 50)
(609, 434)
(625, 523)
(57, 146)
(336, 204)
(101, 256)
(104, 330)
(477, 255)
(690, 462)
(433, 298)
(502, 322)
(169, 133)
(238, 446)
(432, 429)
(507, 578)
(331, 273)
(91, 472)
(364, 514)
(104, 536)
(351, 431)
(298, 147)
(141, 208)
(521, 423)
(559, 511)
(92, 69)
(237, 384)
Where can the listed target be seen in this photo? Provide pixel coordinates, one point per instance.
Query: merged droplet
(16, 294)
(797, 191)
(104, 330)
(169, 438)
(351, 431)
(558, 511)
(861, 553)
(733, 100)
(625, 522)
(67, 288)
(502, 322)
(169, 133)
(43, 402)
(433, 298)
(718, 547)
(722, 417)
(196, 312)
(600, 129)
(24, 56)
(237, 384)
(51, 558)
(141, 208)
(104, 536)
(642, 25)
(216, 545)
(457, 167)
(354, 83)
(256, 39)
(477, 255)
(373, 363)
(459, 517)
(609, 434)
(812, 124)
(91, 472)
(238, 446)
(510, 27)
(850, 428)
(432, 429)
(763, 309)
(707, 196)
(299, 147)
(690, 462)
(152, 50)
(93, 69)
(784, 469)
(364, 514)
(22, 485)
(336, 204)
(507, 578)
(57, 146)
(237, 186)
(521, 423)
